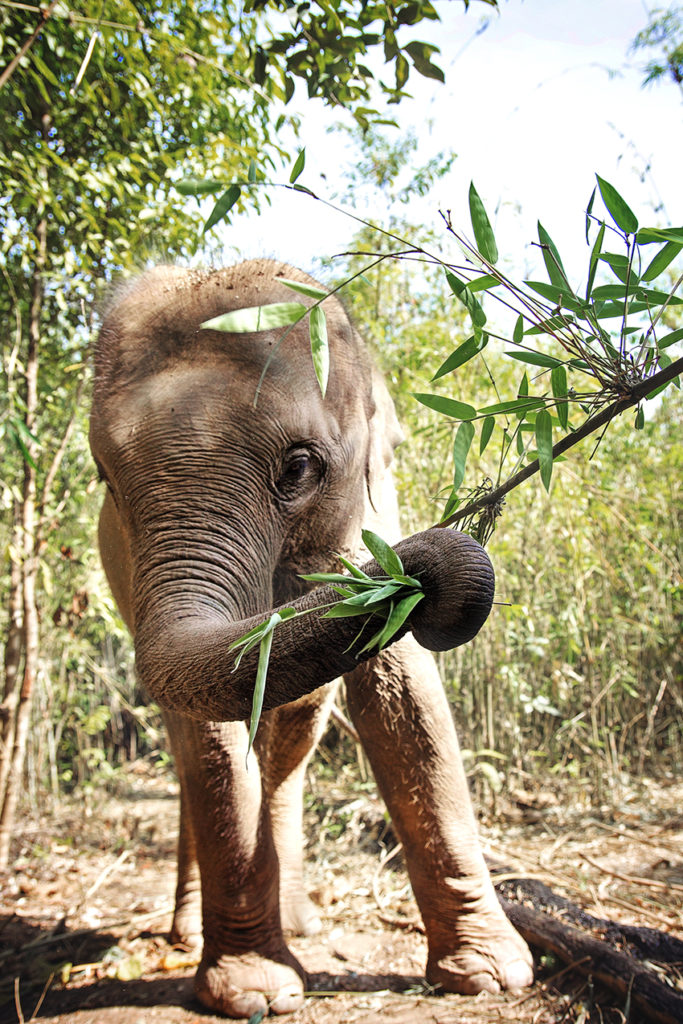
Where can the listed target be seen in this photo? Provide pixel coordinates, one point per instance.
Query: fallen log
(614, 954)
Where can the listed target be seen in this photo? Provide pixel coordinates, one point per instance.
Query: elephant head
(225, 482)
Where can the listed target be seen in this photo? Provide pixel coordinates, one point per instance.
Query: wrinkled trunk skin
(214, 506)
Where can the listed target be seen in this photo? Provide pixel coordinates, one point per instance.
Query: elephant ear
(385, 436)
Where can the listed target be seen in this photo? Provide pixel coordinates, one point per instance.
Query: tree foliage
(663, 38)
(102, 107)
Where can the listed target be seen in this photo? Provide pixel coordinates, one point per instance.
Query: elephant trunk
(183, 650)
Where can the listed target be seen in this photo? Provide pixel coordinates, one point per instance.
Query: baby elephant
(219, 495)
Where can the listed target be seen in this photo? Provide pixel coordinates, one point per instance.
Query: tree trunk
(14, 647)
(29, 549)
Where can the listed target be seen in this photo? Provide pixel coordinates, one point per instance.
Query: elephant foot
(241, 986)
(483, 953)
(300, 916)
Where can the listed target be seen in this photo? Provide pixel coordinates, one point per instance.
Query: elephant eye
(300, 473)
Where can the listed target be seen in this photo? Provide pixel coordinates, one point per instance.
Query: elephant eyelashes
(301, 473)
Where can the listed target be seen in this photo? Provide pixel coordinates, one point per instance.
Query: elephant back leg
(246, 967)
(187, 915)
(400, 710)
(285, 741)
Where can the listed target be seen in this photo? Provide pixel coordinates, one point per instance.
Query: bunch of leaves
(593, 351)
(327, 44)
(387, 599)
(604, 346)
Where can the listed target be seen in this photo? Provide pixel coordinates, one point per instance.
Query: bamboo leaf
(305, 289)
(257, 318)
(345, 611)
(621, 213)
(481, 226)
(647, 235)
(472, 305)
(483, 283)
(462, 354)
(384, 555)
(662, 260)
(319, 346)
(593, 265)
(544, 443)
(349, 582)
(559, 296)
(589, 210)
(298, 167)
(447, 406)
(353, 569)
(535, 359)
(260, 685)
(670, 339)
(461, 447)
(198, 186)
(397, 616)
(518, 332)
(222, 207)
(517, 405)
(383, 593)
(558, 380)
(551, 258)
(486, 431)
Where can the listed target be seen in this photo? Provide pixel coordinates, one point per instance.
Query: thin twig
(651, 883)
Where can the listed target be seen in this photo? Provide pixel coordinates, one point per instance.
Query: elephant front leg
(285, 741)
(246, 966)
(401, 713)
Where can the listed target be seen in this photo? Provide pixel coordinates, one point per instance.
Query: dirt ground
(85, 908)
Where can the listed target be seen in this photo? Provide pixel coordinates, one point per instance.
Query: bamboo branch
(601, 419)
(14, 63)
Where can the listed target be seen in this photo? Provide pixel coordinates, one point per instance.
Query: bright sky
(533, 105)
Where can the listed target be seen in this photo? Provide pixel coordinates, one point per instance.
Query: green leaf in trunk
(384, 555)
(397, 616)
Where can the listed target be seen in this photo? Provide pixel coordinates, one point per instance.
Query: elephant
(228, 476)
